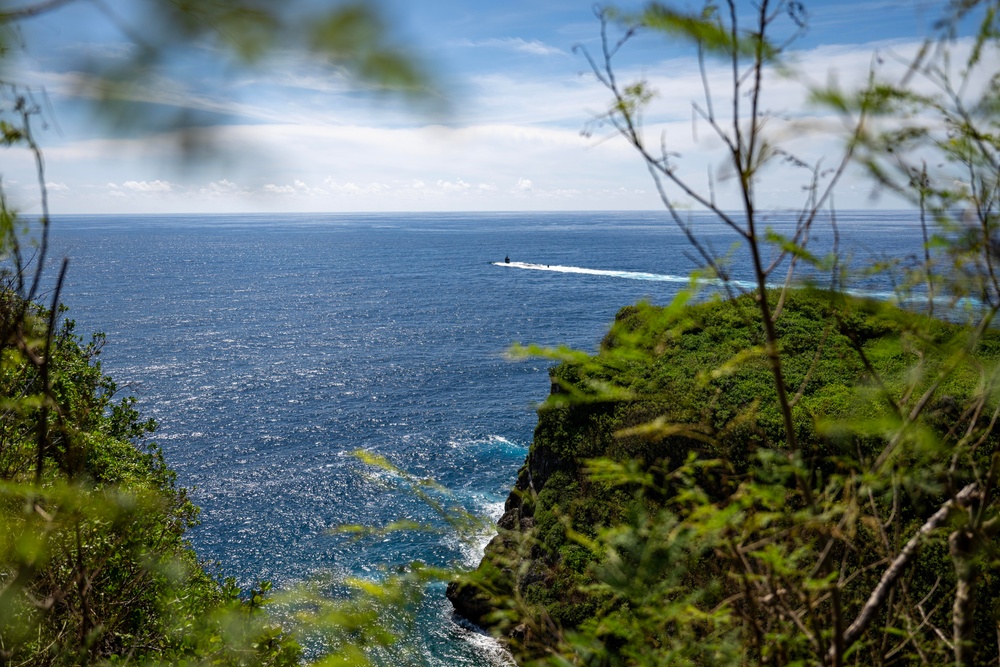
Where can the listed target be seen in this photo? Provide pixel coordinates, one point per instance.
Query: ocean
(270, 348)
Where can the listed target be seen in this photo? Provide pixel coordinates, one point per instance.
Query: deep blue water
(268, 348)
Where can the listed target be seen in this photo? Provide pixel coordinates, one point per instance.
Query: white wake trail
(628, 275)
(670, 278)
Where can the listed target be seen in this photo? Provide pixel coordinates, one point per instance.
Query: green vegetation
(787, 477)
(94, 559)
(94, 564)
(631, 511)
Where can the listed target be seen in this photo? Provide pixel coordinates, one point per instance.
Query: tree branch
(888, 580)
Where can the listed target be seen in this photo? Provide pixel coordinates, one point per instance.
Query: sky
(517, 131)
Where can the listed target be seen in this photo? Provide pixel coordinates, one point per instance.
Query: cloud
(453, 186)
(520, 132)
(271, 188)
(148, 186)
(77, 51)
(533, 47)
(221, 188)
(350, 188)
(297, 188)
(158, 90)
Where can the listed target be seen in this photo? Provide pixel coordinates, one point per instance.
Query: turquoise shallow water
(269, 348)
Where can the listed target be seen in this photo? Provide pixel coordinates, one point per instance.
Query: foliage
(785, 477)
(693, 469)
(94, 561)
(348, 38)
(95, 567)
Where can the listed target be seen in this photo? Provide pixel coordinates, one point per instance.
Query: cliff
(680, 390)
(95, 562)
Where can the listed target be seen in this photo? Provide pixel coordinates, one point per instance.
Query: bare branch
(888, 580)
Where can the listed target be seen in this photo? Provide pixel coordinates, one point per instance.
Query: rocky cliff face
(672, 417)
(477, 596)
(528, 584)
(520, 559)
(537, 572)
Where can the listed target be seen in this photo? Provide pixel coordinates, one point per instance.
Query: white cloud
(222, 187)
(148, 186)
(520, 132)
(80, 50)
(347, 188)
(350, 188)
(453, 186)
(271, 188)
(297, 188)
(517, 44)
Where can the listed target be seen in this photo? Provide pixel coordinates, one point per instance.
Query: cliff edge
(669, 388)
